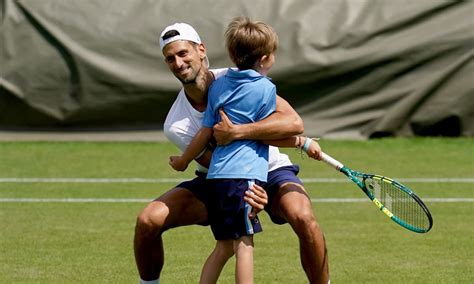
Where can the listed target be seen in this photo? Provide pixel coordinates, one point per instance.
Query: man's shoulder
(180, 110)
(220, 83)
(219, 72)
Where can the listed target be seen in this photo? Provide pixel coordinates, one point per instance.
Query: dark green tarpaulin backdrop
(351, 68)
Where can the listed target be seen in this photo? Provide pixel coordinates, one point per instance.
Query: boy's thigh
(228, 212)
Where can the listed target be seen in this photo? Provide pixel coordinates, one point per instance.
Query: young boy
(246, 95)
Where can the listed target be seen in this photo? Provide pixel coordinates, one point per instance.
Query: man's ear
(202, 50)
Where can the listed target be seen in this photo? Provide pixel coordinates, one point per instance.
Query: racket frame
(359, 179)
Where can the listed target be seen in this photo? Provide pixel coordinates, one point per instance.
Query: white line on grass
(177, 180)
(89, 180)
(74, 200)
(356, 200)
(142, 200)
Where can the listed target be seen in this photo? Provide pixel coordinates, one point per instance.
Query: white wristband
(307, 142)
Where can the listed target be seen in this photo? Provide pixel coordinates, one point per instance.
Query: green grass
(92, 242)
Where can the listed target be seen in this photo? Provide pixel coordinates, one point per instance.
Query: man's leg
(177, 207)
(293, 205)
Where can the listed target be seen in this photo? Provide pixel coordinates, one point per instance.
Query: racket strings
(399, 202)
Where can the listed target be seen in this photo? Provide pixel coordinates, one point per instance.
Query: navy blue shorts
(199, 185)
(275, 180)
(228, 212)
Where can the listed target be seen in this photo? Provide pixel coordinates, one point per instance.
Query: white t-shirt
(184, 121)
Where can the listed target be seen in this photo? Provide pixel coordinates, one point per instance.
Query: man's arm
(283, 123)
(306, 144)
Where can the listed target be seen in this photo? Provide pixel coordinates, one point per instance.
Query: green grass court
(81, 231)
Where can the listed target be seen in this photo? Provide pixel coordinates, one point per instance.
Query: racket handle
(331, 161)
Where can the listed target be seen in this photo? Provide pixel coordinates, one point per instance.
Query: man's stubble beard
(191, 81)
(187, 81)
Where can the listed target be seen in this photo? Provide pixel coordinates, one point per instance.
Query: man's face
(184, 60)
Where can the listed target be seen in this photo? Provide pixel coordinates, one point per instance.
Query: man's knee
(151, 221)
(296, 206)
(303, 218)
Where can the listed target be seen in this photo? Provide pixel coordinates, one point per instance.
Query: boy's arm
(284, 122)
(199, 142)
(205, 159)
(306, 144)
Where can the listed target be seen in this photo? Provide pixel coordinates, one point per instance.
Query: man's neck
(197, 91)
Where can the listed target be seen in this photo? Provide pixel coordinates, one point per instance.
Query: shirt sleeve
(177, 136)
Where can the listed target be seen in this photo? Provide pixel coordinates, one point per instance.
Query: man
(184, 205)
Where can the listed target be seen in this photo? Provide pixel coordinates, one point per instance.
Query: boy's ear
(262, 60)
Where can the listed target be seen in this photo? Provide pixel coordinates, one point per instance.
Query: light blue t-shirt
(245, 96)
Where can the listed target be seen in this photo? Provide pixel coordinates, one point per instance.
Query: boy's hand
(177, 163)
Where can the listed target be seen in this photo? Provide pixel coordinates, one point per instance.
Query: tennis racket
(394, 199)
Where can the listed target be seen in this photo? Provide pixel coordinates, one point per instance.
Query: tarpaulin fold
(352, 69)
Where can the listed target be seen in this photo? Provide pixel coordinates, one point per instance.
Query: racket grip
(331, 161)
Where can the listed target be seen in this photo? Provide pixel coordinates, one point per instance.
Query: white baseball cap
(183, 31)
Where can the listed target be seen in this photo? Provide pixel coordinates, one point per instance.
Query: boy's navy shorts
(228, 212)
(199, 186)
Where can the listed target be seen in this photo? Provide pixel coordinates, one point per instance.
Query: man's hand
(314, 150)
(223, 131)
(178, 163)
(257, 198)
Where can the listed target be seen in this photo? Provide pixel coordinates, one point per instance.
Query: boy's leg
(243, 249)
(216, 261)
(228, 215)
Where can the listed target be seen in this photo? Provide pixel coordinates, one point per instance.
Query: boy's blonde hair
(247, 41)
